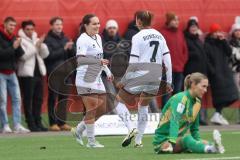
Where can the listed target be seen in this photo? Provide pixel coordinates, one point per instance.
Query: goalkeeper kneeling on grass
(178, 130)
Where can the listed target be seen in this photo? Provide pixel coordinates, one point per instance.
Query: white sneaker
(77, 136)
(224, 120)
(218, 141)
(127, 140)
(95, 144)
(6, 129)
(20, 129)
(217, 118)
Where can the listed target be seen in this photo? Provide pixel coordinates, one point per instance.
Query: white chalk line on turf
(220, 158)
(235, 132)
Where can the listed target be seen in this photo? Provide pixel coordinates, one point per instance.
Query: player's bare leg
(91, 103)
(126, 98)
(143, 106)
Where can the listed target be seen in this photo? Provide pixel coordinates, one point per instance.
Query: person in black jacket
(10, 51)
(114, 50)
(60, 49)
(131, 30)
(196, 52)
(224, 91)
(196, 56)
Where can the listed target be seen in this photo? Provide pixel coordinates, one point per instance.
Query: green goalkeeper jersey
(179, 116)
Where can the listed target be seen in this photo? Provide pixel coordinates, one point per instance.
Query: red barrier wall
(208, 11)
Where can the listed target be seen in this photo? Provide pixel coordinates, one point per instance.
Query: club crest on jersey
(94, 46)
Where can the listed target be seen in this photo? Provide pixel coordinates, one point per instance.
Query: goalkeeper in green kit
(178, 130)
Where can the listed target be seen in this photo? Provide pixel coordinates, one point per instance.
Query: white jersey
(149, 46)
(90, 47)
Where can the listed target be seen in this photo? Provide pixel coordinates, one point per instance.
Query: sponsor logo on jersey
(180, 108)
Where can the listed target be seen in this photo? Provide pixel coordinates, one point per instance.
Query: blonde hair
(193, 78)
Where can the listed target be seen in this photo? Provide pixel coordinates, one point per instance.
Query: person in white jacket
(31, 69)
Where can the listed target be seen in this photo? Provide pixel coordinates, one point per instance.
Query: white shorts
(136, 85)
(84, 87)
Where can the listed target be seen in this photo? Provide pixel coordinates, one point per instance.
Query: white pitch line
(220, 158)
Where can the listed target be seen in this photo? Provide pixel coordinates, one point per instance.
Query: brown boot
(65, 127)
(54, 128)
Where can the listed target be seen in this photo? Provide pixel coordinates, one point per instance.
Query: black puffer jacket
(116, 51)
(57, 54)
(131, 31)
(8, 55)
(224, 91)
(196, 55)
(110, 44)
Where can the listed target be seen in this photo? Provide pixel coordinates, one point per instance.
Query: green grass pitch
(64, 147)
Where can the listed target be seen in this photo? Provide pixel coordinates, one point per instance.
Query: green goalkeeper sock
(189, 143)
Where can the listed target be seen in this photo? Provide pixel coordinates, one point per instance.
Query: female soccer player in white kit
(148, 48)
(88, 80)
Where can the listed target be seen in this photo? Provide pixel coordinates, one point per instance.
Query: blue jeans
(9, 83)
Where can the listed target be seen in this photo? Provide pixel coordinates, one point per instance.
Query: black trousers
(32, 93)
(57, 108)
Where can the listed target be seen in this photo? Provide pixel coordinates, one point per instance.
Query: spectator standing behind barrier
(31, 69)
(196, 52)
(10, 51)
(131, 30)
(60, 49)
(235, 57)
(224, 91)
(196, 55)
(178, 50)
(111, 39)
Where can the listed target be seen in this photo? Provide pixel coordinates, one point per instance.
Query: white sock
(210, 149)
(142, 123)
(81, 127)
(90, 133)
(125, 115)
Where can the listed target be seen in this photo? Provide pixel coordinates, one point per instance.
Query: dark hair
(9, 19)
(145, 17)
(54, 19)
(86, 20)
(26, 23)
(193, 78)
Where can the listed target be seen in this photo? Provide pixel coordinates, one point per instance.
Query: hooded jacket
(33, 55)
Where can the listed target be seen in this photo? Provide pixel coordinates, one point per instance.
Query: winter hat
(192, 22)
(111, 23)
(214, 28)
(235, 27)
(193, 18)
(170, 16)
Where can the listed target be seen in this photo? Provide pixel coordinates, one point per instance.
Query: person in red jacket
(178, 50)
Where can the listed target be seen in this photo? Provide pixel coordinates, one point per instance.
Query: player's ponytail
(193, 78)
(85, 21)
